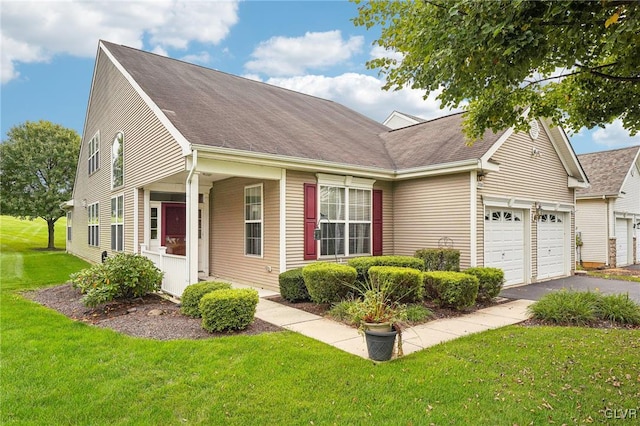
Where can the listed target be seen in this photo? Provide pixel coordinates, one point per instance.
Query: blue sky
(48, 50)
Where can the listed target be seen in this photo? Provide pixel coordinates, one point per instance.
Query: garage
(504, 243)
(551, 245)
(622, 242)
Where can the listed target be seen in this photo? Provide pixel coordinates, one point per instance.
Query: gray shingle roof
(437, 141)
(606, 170)
(213, 108)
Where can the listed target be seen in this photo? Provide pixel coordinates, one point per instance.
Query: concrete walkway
(414, 339)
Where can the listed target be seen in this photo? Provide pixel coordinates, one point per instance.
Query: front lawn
(56, 371)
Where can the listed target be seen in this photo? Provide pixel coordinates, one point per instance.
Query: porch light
(84, 203)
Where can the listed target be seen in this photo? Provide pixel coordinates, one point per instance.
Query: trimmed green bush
(194, 292)
(228, 310)
(490, 281)
(451, 289)
(402, 284)
(362, 264)
(123, 276)
(328, 282)
(417, 313)
(618, 308)
(292, 286)
(440, 259)
(567, 307)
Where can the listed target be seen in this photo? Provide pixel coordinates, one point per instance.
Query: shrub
(227, 310)
(451, 289)
(618, 308)
(402, 284)
(194, 292)
(417, 313)
(292, 286)
(567, 307)
(490, 281)
(328, 282)
(362, 264)
(123, 276)
(440, 259)
(341, 310)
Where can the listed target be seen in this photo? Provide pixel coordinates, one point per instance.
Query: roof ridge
(427, 121)
(611, 150)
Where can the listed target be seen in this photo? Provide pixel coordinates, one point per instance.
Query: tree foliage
(576, 62)
(37, 171)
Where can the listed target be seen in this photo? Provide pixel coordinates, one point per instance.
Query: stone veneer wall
(612, 253)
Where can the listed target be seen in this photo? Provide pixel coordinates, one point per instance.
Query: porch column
(192, 229)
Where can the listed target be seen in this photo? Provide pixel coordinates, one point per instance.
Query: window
(117, 223)
(345, 217)
(117, 164)
(253, 220)
(94, 153)
(69, 220)
(93, 213)
(154, 223)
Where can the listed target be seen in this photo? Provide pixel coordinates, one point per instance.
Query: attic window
(534, 130)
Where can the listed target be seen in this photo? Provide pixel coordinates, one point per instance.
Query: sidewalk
(414, 339)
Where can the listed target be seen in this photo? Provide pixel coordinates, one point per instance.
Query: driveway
(575, 282)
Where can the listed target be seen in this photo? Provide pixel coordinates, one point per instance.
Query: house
(398, 120)
(214, 175)
(608, 213)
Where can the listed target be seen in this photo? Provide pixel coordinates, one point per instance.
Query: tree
(576, 62)
(37, 171)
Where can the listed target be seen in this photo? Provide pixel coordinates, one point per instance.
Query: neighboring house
(608, 213)
(214, 175)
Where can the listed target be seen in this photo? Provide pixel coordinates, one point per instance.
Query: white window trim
(69, 225)
(261, 221)
(112, 224)
(112, 160)
(94, 141)
(90, 225)
(328, 181)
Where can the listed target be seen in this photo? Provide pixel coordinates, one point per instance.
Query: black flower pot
(380, 344)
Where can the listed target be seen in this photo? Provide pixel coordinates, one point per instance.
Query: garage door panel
(504, 243)
(551, 245)
(622, 242)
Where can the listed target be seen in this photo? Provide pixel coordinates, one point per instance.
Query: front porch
(193, 226)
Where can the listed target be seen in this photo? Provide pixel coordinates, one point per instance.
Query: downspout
(194, 163)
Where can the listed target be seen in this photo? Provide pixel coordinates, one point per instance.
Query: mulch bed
(151, 316)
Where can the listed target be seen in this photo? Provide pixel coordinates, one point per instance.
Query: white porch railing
(174, 267)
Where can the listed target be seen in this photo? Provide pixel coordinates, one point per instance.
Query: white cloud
(287, 56)
(197, 58)
(363, 93)
(615, 136)
(36, 31)
(380, 52)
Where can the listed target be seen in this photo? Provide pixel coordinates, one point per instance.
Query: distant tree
(37, 171)
(576, 62)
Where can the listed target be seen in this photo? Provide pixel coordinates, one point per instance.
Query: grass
(57, 371)
(620, 277)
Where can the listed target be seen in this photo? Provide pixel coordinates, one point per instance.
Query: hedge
(194, 292)
(328, 282)
(402, 284)
(227, 310)
(440, 259)
(362, 264)
(292, 286)
(490, 281)
(451, 289)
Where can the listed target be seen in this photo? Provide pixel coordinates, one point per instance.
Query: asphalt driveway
(575, 282)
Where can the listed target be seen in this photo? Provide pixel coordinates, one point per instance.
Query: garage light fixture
(538, 214)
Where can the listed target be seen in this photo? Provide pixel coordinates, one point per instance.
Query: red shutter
(310, 212)
(377, 222)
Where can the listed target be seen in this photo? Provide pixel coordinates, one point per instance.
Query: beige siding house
(213, 175)
(608, 213)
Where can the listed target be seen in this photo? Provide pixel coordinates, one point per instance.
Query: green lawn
(56, 371)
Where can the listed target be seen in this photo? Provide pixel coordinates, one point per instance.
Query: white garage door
(622, 242)
(504, 243)
(551, 245)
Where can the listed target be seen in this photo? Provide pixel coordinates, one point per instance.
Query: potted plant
(380, 319)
